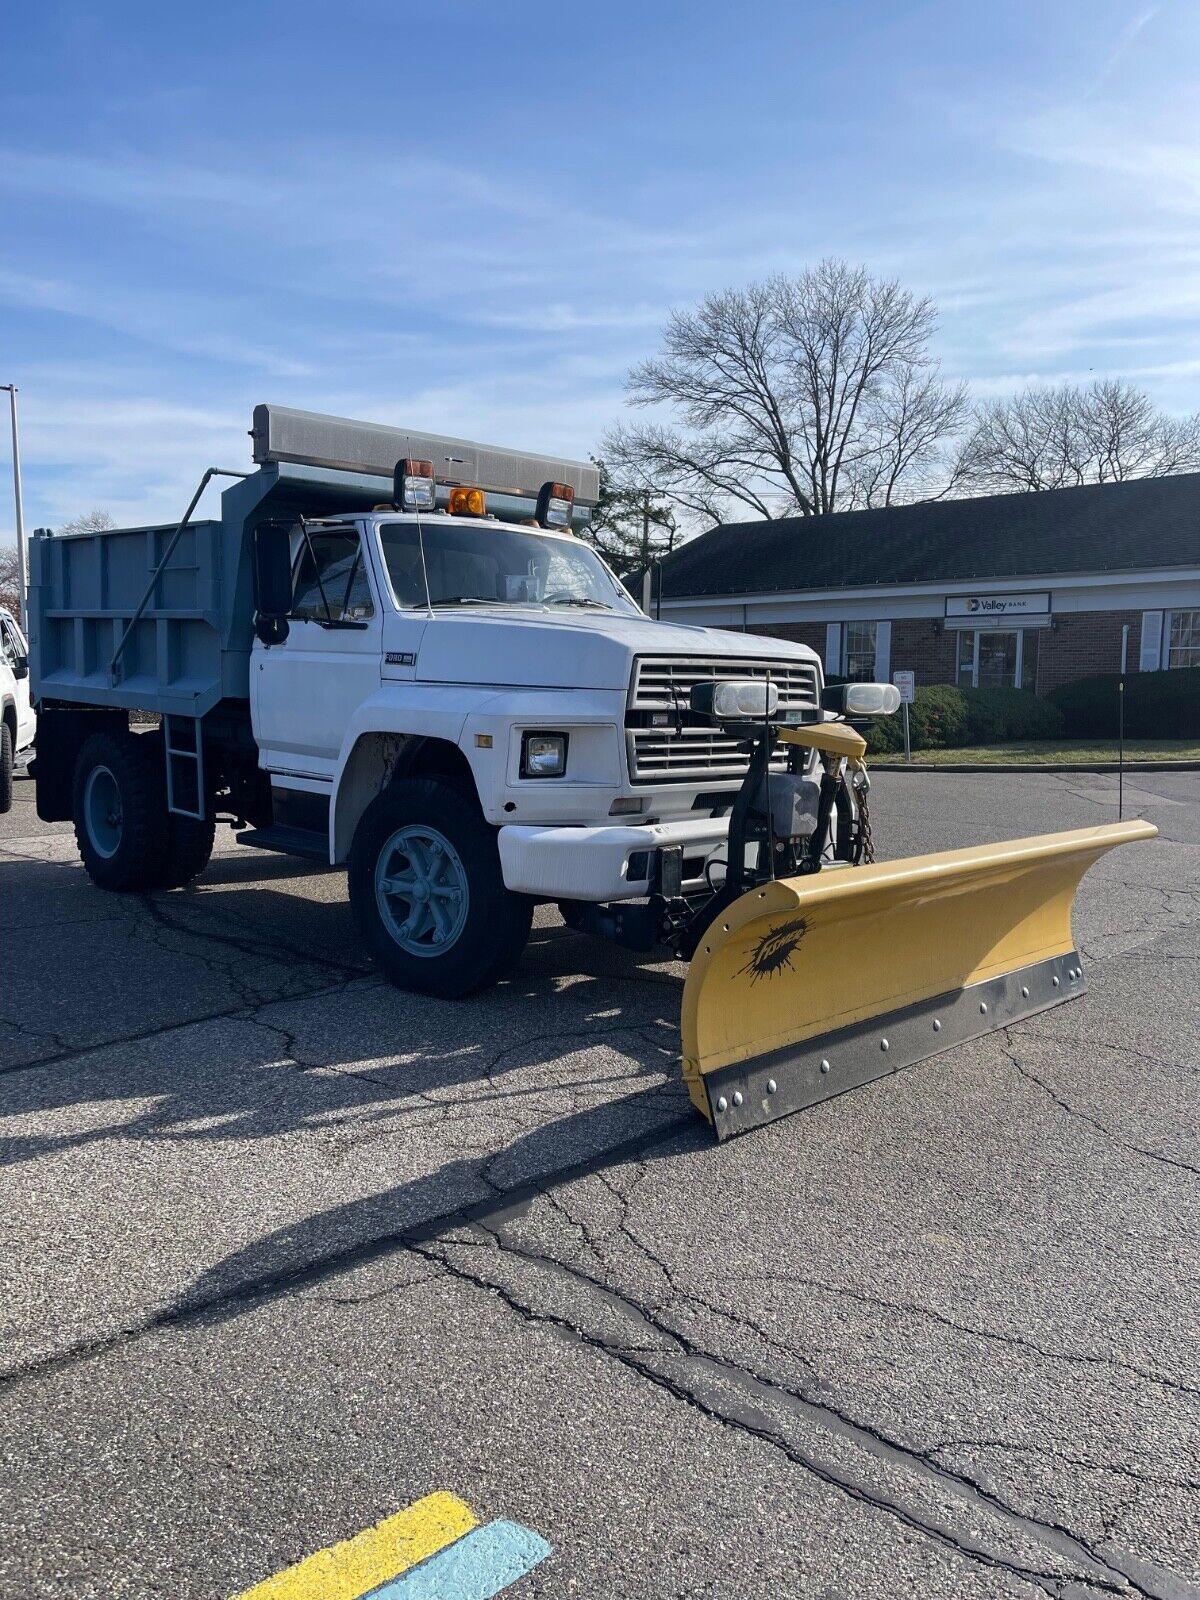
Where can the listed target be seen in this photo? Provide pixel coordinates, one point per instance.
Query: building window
(1184, 647)
(860, 652)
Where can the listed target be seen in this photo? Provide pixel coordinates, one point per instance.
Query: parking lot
(286, 1250)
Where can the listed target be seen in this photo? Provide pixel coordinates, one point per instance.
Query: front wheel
(428, 894)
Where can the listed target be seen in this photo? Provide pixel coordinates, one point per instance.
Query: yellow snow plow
(811, 981)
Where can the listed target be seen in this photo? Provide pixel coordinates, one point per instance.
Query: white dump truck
(392, 653)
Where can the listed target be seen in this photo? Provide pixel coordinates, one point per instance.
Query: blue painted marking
(475, 1567)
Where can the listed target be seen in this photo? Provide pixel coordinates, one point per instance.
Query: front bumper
(602, 863)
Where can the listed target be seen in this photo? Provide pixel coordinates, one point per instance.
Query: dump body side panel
(86, 588)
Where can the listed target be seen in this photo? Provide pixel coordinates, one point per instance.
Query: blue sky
(472, 218)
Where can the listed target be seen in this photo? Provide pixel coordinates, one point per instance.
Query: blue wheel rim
(421, 891)
(102, 812)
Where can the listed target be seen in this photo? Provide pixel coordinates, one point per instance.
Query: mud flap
(809, 986)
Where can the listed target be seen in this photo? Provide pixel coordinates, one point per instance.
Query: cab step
(305, 842)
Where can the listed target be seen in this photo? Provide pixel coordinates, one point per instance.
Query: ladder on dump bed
(184, 746)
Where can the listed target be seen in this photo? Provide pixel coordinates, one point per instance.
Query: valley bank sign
(998, 610)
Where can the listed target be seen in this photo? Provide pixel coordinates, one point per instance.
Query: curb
(1033, 766)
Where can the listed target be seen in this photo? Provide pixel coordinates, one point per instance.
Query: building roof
(1141, 524)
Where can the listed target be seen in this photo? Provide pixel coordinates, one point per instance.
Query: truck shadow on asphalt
(642, 1127)
(282, 1037)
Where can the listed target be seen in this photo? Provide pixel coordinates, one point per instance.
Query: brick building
(1028, 590)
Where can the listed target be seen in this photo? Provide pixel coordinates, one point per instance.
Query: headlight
(543, 755)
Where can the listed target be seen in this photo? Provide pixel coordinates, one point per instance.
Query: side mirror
(272, 581)
(20, 667)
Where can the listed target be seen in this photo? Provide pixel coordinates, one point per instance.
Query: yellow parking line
(356, 1566)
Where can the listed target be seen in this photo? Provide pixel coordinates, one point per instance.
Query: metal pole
(1121, 723)
(907, 743)
(16, 456)
(210, 474)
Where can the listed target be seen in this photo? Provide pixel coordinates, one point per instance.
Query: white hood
(586, 650)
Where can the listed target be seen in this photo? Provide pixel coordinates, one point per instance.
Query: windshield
(484, 564)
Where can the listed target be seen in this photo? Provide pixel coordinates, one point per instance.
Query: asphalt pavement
(286, 1250)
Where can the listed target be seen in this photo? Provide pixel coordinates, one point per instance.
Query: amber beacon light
(468, 503)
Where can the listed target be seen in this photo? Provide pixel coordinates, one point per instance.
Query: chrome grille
(686, 749)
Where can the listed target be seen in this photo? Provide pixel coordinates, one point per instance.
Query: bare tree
(630, 526)
(9, 595)
(803, 395)
(90, 522)
(1059, 436)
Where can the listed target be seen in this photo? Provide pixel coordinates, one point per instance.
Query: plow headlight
(735, 700)
(863, 699)
(543, 755)
(414, 488)
(554, 504)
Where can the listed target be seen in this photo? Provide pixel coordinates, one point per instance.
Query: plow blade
(809, 986)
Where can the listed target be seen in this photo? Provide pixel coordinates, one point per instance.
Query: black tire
(6, 768)
(133, 852)
(497, 922)
(189, 846)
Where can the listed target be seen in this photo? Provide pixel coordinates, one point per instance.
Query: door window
(331, 578)
(8, 645)
(997, 660)
(1003, 660)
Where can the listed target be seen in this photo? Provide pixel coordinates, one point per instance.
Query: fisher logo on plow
(774, 951)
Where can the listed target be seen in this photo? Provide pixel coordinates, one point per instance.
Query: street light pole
(16, 458)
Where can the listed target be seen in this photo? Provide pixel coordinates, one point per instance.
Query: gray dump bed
(187, 632)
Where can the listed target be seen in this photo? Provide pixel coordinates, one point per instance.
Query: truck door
(16, 655)
(307, 688)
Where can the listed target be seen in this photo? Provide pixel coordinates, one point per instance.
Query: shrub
(1001, 716)
(1158, 705)
(944, 716)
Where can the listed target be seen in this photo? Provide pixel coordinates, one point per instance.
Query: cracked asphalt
(285, 1249)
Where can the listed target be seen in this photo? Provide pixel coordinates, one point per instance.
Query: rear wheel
(120, 811)
(6, 768)
(189, 846)
(428, 894)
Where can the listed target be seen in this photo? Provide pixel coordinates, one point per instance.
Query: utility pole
(16, 458)
(647, 579)
(648, 592)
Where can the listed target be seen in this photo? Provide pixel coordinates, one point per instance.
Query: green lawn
(1079, 752)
